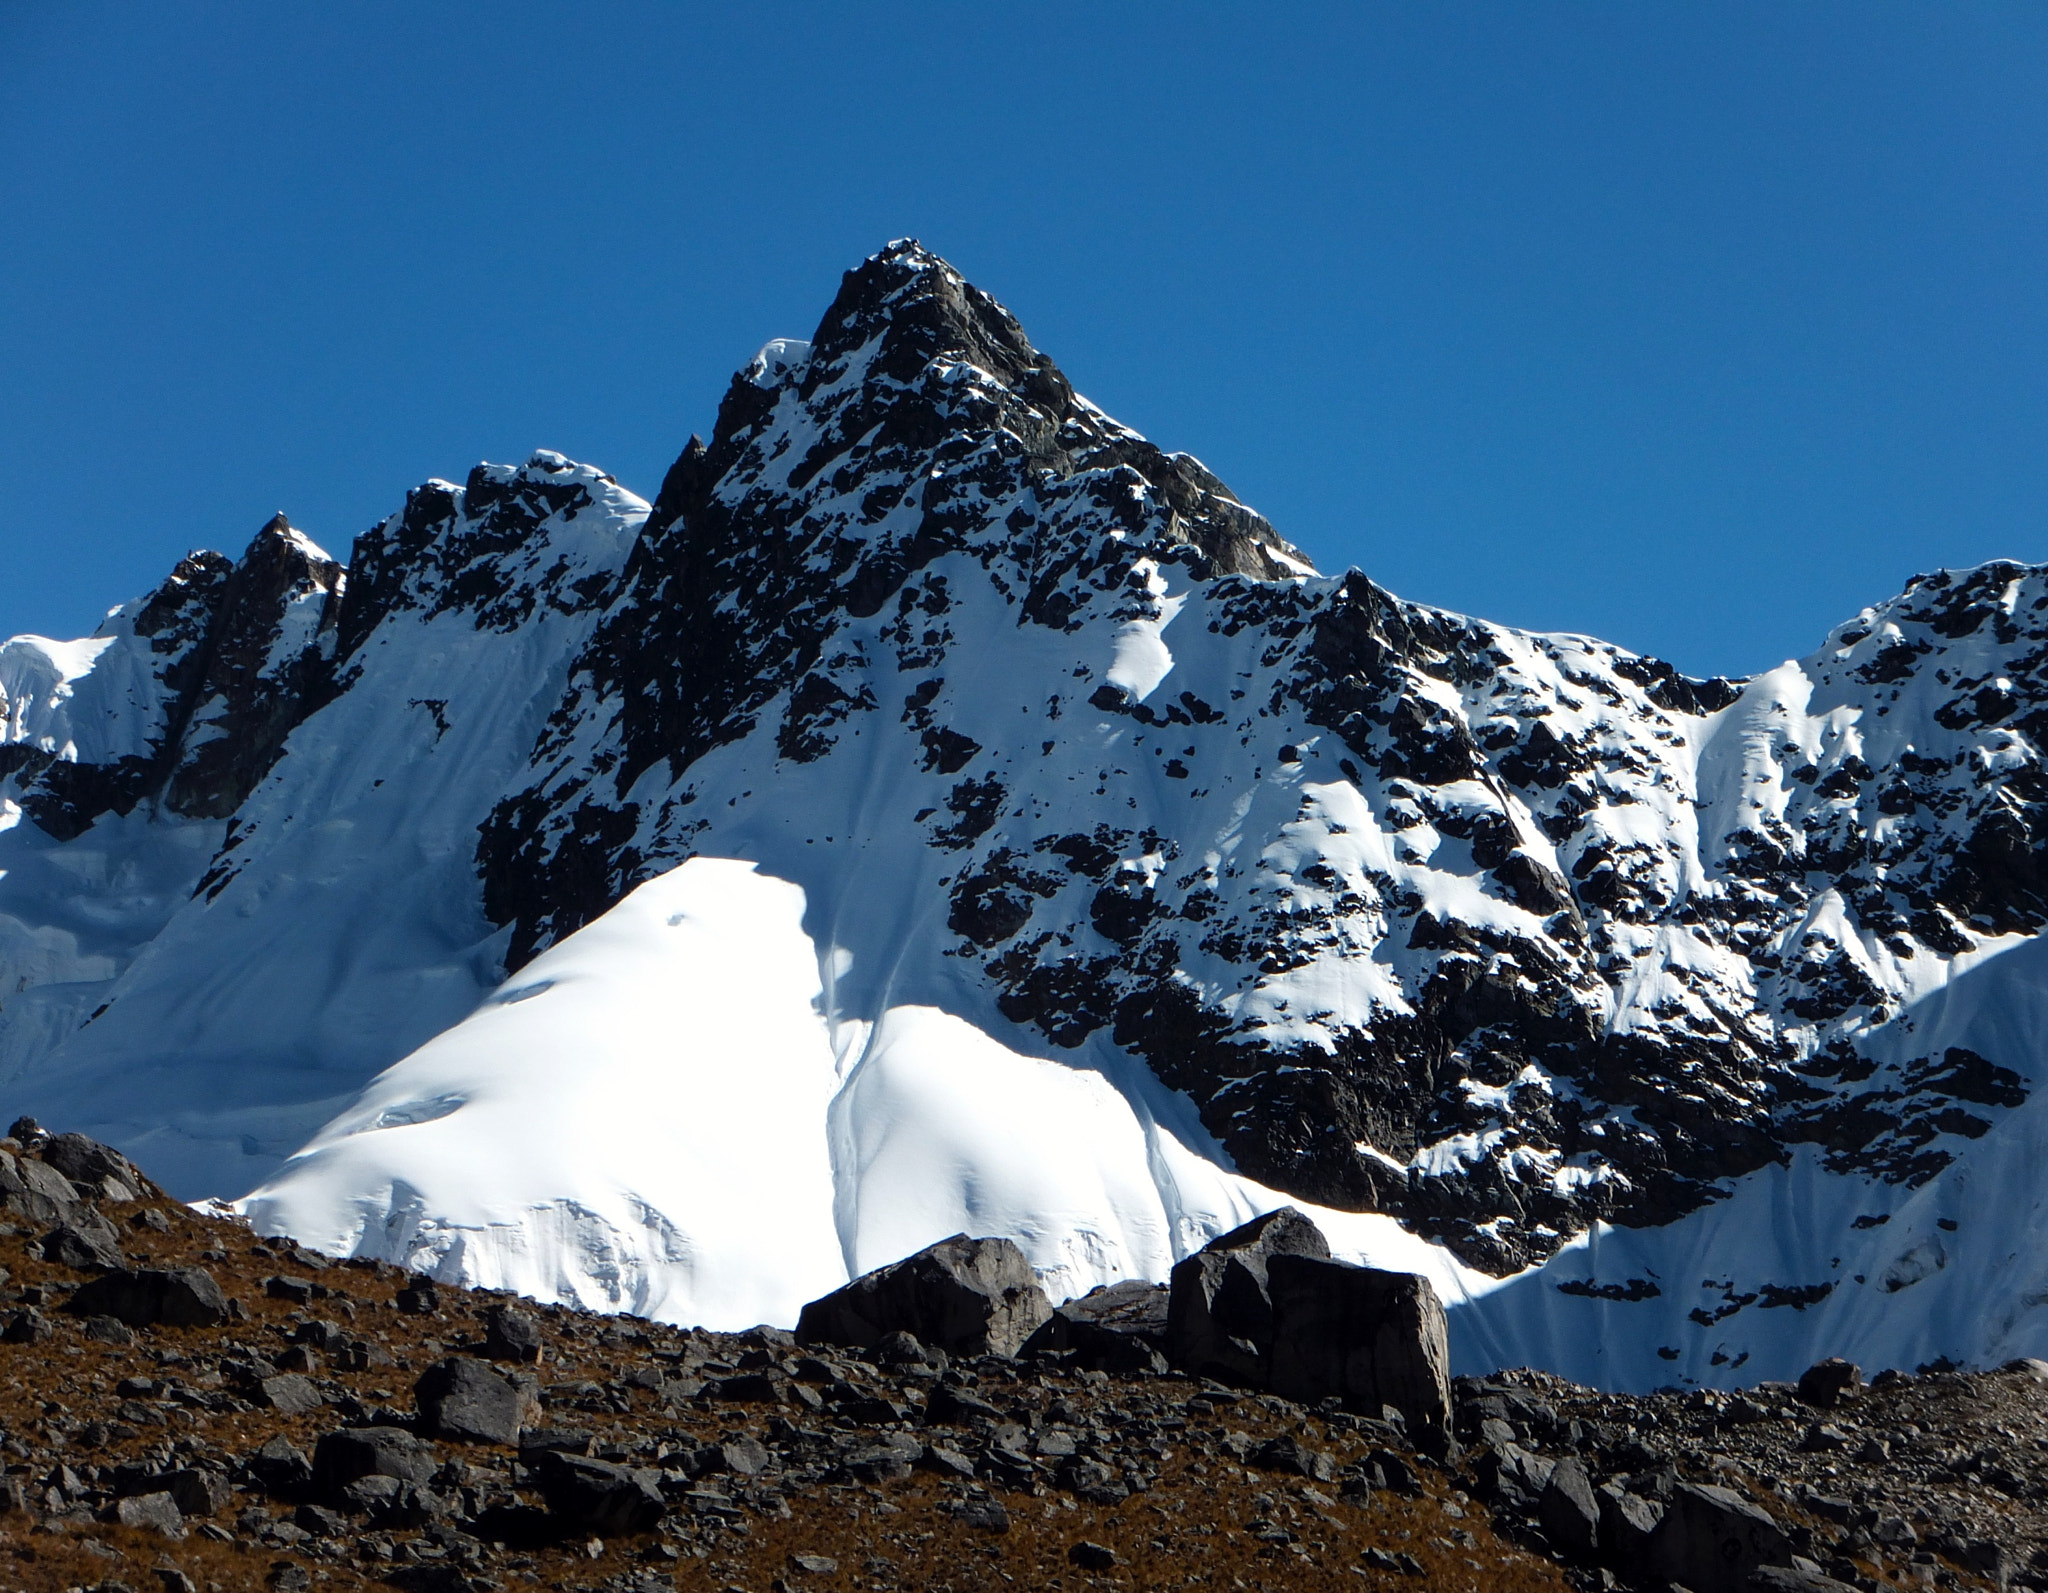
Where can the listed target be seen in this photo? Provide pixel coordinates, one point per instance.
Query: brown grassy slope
(1208, 1520)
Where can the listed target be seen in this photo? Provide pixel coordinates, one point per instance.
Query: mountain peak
(1098, 876)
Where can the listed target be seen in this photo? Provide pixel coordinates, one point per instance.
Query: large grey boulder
(34, 1189)
(1219, 1316)
(87, 1243)
(1371, 1338)
(1568, 1512)
(353, 1453)
(1119, 1327)
(174, 1297)
(596, 1496)
(510, 1334)
(1628, 1523)
(156, 1511)
(99, 1168)
(473, 1402)
(964, 1296)
(1711, 1539)
(1831, 1382)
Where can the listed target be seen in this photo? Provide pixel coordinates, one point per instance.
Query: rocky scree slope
(187, 1405)
(1504, 935)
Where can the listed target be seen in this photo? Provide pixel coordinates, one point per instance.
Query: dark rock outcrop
(350, 1454)
(1119, 1327)
(471, 1401)
(92, 1166)
(1829, 1383)
(512, 1335)
(1219, 1319)
(31, 1188)
(596, 1496)
(964, 1296)
(1369, 1338)
(87, 1244)
(149, 1297)
(1712, 1538)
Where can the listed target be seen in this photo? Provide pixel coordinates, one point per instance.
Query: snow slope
(664, 1115)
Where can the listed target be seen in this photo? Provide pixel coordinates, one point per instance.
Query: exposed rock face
(596, 1496)
(237, 653)
(86, 1244)
(32, 1188)
(351, 1454)
(1120, 1327)
(1677, 933)
(1265, 1306)
(96, 1167)
(964, 1296)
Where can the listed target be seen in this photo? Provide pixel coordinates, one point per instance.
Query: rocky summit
(194, 1406)
(941, 810)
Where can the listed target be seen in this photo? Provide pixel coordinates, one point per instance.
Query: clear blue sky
(1693, 326)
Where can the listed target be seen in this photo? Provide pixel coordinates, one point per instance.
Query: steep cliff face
(1496, 934)
(274, 893)
(186, 697)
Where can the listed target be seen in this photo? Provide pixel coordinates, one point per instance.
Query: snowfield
(662, 1115)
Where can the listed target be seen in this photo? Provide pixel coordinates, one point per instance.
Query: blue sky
(1696, 327)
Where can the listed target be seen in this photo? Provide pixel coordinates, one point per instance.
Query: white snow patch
(681, 1129)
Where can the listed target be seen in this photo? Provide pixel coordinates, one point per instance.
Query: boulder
(32, 1189)
(471, 1401)
(1219, 1317)
(147, 1297)
(964, 1296)
(1119, 1327)
(1831, 1382)
(511, 1335)
(353, 1453)
(196, 1492)
(902, 1353)
(85, 1244)
(290, 1394)
(157, 1511)
(596, 1496)
(1627, 1523)
(1711, 1539)
(279, 1466)
(100, 1168)
(418, 1298)
(389, 1503)
(1289, 1454)
(1795, 1579)
(566, 1440)
(27, 1327)
(1370, 1338)
(1568, 1512)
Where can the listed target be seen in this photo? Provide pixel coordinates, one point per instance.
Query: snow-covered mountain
(943, 809)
